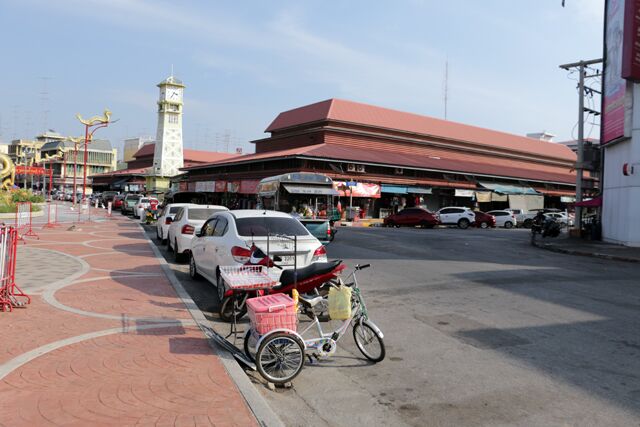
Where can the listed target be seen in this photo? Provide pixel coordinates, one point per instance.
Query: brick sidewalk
(106, 340)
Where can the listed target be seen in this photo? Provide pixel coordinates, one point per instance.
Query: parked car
(412, 217)
(453, 215)
(484, 220)
(165, 218)
(320, 228)
(108, 196)
(117, 201)
(143, 204)
(186, 223)
(129, 203)
(560, 217)
(504, 218)
(226, 238)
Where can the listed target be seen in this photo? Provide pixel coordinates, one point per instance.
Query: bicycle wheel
(250, 344)
(226, 309)
(280, 357)
(368, 342)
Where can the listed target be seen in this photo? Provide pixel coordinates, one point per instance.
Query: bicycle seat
(314, 269)
(310, 302)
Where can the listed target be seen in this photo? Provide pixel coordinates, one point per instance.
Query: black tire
(364, 334)
(193, 270)
(220, 288)
(484, 224)
(508, 224)
(226, 310)
(464, 223)
(271, 354)
(424, 224)
(177, 256)
(391, 224)
(249, 345)
(527, 223)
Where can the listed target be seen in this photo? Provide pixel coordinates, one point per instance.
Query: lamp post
(90, 126)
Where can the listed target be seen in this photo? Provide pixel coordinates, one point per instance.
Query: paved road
(481, 329)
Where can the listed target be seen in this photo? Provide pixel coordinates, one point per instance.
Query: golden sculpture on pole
(8, 172)
(95, 120)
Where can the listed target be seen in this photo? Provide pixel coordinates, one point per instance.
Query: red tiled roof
(369, 115)
(190, 156)
(438, 159)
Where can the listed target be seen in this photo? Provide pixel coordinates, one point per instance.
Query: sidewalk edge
(261, 410)
(553, 248)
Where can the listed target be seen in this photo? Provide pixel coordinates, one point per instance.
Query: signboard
(208, 186)
(191, 186)
(465, 193)
(30, 170)
(249, 186)
(615, 87)
(233, 186)
(361, 189)
(221, 186)
(183, 186)
(631, 41)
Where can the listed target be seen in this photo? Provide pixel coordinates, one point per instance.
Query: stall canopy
(419, 190)
(395, 189)
(508, 188)
(309, 189)
(592, 203)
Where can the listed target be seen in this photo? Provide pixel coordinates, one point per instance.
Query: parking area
(481, 328)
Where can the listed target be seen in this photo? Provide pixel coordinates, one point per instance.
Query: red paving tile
(161, 376)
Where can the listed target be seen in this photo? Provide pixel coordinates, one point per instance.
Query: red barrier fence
(23, 220)
(10, 294)
(52, 219)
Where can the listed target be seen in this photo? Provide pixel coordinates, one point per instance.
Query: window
(179, 215)
(174, 209)
(207, 229)
(447, 211)
(221, 227)
(201, 213)
(263, 226)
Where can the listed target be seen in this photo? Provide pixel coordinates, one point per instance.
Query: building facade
(132, 145)
(382, 160)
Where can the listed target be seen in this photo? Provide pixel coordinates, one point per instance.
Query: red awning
(593, 203)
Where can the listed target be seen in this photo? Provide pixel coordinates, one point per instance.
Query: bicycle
(279, 355)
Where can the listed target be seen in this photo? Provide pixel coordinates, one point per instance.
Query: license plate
(287, 259)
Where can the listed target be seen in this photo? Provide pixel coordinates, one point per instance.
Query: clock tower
(168, 155)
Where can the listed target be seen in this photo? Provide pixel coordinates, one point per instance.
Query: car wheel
(221, 288)
(159, 235)
(391, 224)
(508, 224)
(463, 223)
(484, 225)
(527, 223)
(193, 270)
(177, 256)
(424, 224)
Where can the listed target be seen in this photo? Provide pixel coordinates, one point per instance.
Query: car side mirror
(199, 233)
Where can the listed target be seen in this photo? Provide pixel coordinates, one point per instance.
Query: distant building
(132, 145)
(101, 158)
(4, 148)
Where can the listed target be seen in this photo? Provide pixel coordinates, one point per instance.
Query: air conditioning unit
(398, 171)
(351, 167)
(360, 168)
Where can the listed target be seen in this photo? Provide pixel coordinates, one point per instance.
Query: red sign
(30, 170)
(221, 186)
(361, 189)
(615, 87)
(249, 186)
(631, 41)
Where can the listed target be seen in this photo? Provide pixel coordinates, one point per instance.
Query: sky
(244, 62)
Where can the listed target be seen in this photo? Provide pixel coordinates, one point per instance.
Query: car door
(445, 215)
(217, 246)
(199, 247)
(161, 219)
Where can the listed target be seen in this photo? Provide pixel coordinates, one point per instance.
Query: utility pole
(582, 67)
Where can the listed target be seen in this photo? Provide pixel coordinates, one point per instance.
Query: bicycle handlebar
(362, 267)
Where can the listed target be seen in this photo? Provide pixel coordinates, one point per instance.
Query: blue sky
(244, 62)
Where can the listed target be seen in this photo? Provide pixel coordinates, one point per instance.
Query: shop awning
(119, 183)
(309, 189)
(592, 203)
(395, 189)
(508, 188)
(419, 190)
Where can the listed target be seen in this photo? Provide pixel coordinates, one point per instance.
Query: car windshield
(262, 226)
(201, 213)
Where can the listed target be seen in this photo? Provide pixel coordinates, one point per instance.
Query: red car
(484, 220)
(117, 201)
(412, 217)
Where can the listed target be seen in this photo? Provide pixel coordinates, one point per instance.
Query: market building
(382, 160)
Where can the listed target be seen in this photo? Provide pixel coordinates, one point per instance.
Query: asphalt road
(480, 329)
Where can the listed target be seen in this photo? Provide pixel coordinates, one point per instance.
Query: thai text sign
(30, 170)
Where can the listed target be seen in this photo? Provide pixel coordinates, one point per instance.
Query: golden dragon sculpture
(8, 172)
(95, 120)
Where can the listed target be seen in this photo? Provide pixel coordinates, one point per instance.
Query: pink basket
(272, 312)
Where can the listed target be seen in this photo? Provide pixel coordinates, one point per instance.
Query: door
(217, 250)
(199, 247)
(446, 215)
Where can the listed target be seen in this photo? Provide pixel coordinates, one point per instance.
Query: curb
(551, 247)
(258, 405)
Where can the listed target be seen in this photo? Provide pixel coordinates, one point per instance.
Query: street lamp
(94, 123)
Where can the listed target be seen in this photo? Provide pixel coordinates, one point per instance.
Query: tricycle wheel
(280, 357)
(226, 309)
(250, 344)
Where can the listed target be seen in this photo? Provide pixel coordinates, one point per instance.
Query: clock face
(173, 94)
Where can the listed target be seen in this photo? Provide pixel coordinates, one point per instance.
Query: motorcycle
(548, 228)
(307, 280)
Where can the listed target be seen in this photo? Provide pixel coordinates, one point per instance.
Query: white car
(453, 215)
(186, 223)
(504, 218)
(165, 219)
(561, 218)
(143, 204)
(226, 239)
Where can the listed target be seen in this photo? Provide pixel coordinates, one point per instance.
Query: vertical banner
(614, 98)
